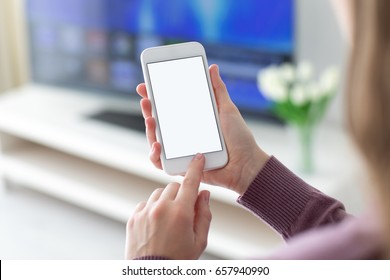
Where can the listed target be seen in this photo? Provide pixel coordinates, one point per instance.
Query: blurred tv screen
(95, 44)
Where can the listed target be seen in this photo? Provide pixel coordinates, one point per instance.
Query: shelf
(57, 118)
(92, 186)
(115, 194)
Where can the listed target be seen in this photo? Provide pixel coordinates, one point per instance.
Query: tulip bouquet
(299, 99)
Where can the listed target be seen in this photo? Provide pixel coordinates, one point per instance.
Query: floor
(36, 226)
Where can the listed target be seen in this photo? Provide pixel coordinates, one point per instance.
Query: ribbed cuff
(277, 196)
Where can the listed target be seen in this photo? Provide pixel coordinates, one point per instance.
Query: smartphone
(183, 104)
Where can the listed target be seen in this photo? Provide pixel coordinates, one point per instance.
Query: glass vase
(302, 143)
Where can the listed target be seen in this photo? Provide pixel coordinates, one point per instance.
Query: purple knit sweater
(287, 203)
(314, 225)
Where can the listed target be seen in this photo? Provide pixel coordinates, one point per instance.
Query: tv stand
(125, 120)
(49, 145)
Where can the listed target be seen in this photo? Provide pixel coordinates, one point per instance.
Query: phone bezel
(178, 166)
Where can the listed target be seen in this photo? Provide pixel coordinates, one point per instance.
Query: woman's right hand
(245, 156)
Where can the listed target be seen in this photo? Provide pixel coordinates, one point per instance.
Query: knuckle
(140, 206)
(158, 190)
(208, 216)
(182, 216)
(221, 85)
(203, 243)
(157, 211)
(173, 185)
(155, 193)
(189, 181)
(130, 223)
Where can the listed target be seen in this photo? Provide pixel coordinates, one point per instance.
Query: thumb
(202, 219)
(220, 90)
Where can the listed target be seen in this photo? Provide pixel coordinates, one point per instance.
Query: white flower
(304, 71)
(278, 93)
(271, 85)
(314, 92)
(298, 95)
(287, 72)
(274, 82)
(328, 81)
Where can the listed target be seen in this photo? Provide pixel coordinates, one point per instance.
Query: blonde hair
(368, 94)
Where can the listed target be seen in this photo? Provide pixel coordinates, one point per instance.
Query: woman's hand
(174, 222)
(245, 157)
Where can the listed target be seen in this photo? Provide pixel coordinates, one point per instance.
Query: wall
(320, 41)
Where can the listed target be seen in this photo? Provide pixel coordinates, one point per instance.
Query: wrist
(250, 170)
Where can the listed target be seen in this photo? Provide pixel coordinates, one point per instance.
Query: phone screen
(185, 112)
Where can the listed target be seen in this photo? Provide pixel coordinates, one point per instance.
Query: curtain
(13, 48)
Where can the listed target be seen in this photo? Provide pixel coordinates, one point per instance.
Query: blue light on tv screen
(242, 36)
(263, 24)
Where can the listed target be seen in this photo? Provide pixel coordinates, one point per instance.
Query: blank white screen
(184, 108)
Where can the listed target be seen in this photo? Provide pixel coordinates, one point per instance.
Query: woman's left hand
(174, 222)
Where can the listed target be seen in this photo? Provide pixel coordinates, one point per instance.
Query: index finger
(141, 90)
(189, 189)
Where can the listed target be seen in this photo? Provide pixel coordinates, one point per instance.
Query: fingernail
(207, 197)
(198, 156)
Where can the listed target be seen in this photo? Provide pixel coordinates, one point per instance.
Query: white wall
(320, 41)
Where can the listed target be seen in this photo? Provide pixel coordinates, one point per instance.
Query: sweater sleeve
(287, 203)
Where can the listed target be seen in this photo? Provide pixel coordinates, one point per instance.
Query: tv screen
(95, 44)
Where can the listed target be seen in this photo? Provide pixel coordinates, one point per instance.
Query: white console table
(50, 146)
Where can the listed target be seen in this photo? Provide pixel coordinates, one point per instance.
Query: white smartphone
(183, 104)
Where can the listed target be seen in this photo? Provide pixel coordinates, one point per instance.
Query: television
(95, 45)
